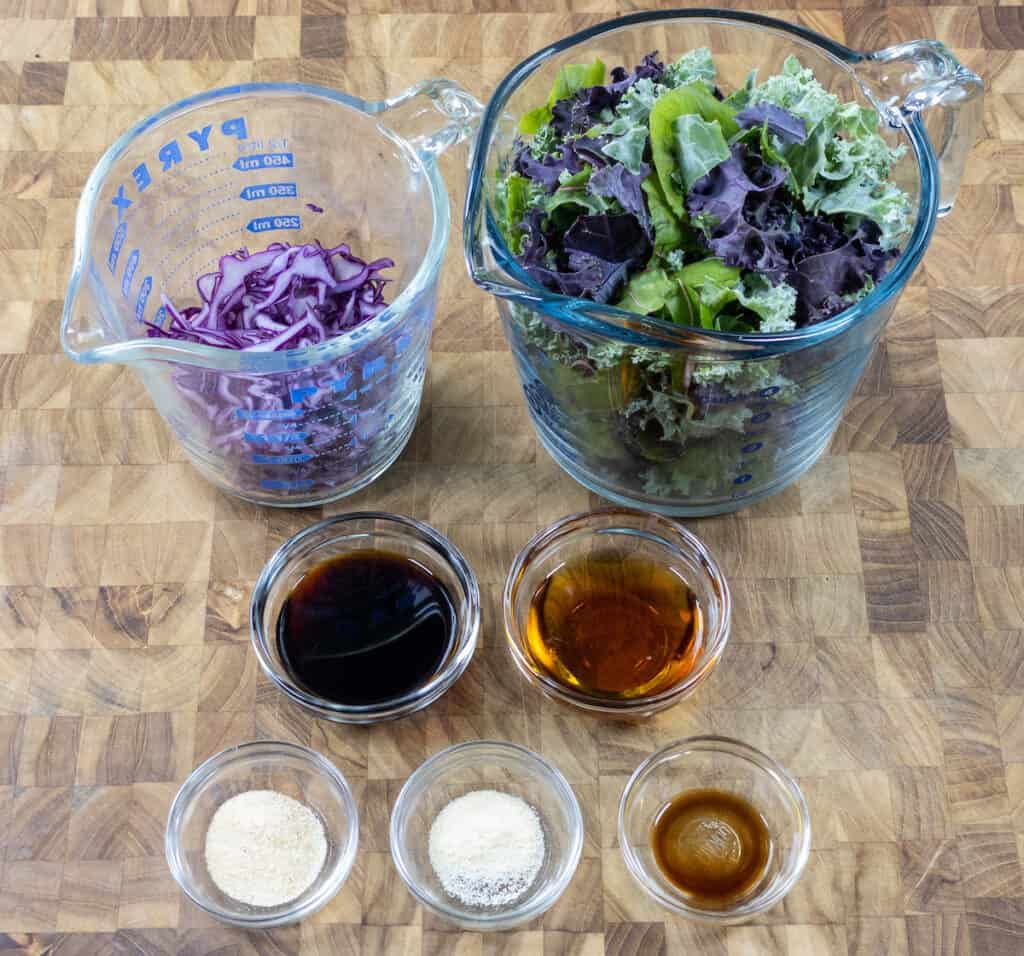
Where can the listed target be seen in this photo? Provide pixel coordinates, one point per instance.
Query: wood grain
(878, 630)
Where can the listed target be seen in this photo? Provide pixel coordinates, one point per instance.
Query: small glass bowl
(722, 764)
(346, 534)
(486, 765)
(660, 539)
(261, 765)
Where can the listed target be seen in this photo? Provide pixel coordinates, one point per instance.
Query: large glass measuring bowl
(244, 167)
(681, 420)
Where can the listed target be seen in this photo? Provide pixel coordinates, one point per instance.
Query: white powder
(263, 848)
(486, 847)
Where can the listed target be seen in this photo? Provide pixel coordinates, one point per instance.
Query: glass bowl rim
(480, 229)
(576, 524)
(534, 904)
(317, 764)
(466, 637)
(765, 765)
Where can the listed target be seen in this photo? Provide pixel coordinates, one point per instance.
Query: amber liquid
(712, 845)
(615, 623)
(365, 628)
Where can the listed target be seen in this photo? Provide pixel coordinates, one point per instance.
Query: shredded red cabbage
(302, 432)
(285, 297)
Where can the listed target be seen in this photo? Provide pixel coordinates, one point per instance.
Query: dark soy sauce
(365, 628)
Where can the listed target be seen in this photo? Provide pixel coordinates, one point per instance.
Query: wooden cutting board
(878, 641)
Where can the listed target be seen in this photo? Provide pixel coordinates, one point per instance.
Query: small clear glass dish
(722, 764)
(346, 534)
(486, 765)
(296, 772)
(659, 539)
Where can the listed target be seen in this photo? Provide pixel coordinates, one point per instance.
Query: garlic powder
(264, 848)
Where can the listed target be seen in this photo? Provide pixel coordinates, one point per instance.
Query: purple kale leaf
(752, 222)
(546, 171)
(748, 225)
(787, 127)
(649, 69)
(577, 113)
(832, 265)
(618, 238)
(596, 254)
(617, 182)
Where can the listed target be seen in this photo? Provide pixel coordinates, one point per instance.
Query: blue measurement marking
(280, 459)
(271, 437)
(752, 447)
(140, 302)
(120, 234)
(161, 314)
(299, 395)
(268, 414)
(283, 484)
(340, 384)
(743, 479)
(401, 344)
(374, 367)
(769, 391)
(269, 223)
(269, 191)
(761, 417)
(129, 272)
(247, 164)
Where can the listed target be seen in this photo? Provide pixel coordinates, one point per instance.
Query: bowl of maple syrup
(365, 617)
(713, 829)
(617, 611)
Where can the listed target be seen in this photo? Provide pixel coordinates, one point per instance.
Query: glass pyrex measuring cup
(730, 418)
(246, 166)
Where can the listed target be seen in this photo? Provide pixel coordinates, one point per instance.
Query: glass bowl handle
(923, 76)
(432, 116)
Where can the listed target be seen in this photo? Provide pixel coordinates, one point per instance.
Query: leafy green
(646, 292)
(628, 148)
(697, 66)
(628, 127)
(739, 98)
(515, 194)
(844, 165)
(884, 202)
(668, 231)
(796, 89)
(775, 304)
(700, 147)
(693, 99)
(572, 199)
(544, 142)
(570, 78)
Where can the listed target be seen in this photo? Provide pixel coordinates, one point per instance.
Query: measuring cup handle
(413, 115)
(923, 75)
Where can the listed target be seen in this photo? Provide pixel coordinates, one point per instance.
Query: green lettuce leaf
(693, 99)
(700, 147)
(645, 293)
(570, 78)
(668, 231)
(515, 195)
